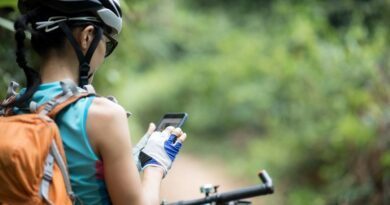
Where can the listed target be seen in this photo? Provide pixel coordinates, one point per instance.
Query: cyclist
(72, 38)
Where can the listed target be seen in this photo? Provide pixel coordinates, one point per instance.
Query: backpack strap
(89, 88)
(10, 98)
(63, 103)
(69, 95)
(47, 177)
(54, 155)
(12, 89)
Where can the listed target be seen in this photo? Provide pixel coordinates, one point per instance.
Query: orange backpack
(32, 160)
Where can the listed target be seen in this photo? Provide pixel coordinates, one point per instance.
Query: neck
(57, 68)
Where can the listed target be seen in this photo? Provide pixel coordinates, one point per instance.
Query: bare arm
(108, 130)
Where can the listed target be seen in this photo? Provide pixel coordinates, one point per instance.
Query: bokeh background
(300, 88)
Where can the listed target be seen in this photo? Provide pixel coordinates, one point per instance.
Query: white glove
(162, 148)
(141, 144)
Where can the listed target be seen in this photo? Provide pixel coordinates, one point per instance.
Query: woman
(72, 38)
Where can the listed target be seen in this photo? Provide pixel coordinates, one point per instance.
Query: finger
(167, 132)
(177, 132)
(182, 138)
(178, 144)
(151, 128)
(169, 129)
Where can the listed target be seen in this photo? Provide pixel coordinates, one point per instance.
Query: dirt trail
(189, 173)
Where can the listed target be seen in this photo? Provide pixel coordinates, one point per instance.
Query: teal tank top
(85, 167)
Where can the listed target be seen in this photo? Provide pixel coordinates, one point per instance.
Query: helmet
(107, 11)
(103, 14)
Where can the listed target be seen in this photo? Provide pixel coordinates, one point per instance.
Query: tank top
(84, 166)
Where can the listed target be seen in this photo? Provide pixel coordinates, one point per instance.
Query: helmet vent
(53, 22)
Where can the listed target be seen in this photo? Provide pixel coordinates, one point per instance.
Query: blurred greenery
(300, 88)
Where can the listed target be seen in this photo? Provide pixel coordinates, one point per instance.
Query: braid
(32, 76)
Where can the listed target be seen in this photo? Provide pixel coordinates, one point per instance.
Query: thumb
(151, 128)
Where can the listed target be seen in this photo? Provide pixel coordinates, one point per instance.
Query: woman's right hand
(162, 148)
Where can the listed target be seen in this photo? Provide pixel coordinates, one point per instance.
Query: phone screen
(172, 119)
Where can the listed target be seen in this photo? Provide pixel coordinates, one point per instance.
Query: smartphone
(172, 119)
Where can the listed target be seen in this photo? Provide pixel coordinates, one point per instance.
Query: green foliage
(300, 88)
(8, 3)
(305, 96)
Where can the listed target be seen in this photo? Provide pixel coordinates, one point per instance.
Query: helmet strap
(84, 60)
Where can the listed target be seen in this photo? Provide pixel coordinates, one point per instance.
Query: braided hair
(32, 76)
(42, 42)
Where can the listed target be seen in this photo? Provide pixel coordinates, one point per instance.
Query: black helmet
(105, 15)
(106, 11)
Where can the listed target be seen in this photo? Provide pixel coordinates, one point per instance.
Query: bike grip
(266, 179)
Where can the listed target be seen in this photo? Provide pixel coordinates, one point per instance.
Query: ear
(86, 37)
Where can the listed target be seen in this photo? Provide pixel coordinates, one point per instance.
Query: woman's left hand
(161, 148)
(141, 144)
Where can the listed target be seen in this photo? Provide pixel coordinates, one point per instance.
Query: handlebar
(248, 192)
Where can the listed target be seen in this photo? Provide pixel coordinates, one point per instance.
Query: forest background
(300, 88)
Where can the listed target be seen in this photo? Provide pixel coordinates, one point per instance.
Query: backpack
(32, 160)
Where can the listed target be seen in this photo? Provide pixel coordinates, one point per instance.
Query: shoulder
(103, 109)
(107, 125)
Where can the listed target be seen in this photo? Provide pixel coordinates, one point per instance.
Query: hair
(41, 42)
(32, 76)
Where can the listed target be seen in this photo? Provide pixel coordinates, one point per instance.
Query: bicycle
(212, 197)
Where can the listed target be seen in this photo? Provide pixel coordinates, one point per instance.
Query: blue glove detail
(172, 147)
(160, 151)
(152, 162)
